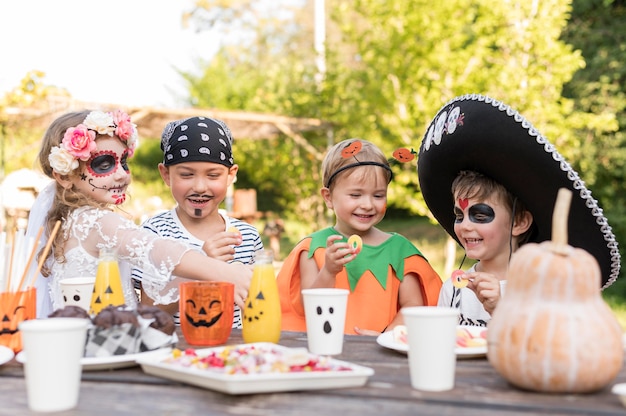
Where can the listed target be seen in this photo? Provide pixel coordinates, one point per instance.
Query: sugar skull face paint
(104, 163)
(105, 176)
(478, 214)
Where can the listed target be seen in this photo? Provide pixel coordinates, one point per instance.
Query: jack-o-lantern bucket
(16, 307)
(206, 312)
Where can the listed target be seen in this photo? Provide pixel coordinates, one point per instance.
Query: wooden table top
(478, 390)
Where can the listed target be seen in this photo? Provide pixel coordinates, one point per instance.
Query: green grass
(431, 239)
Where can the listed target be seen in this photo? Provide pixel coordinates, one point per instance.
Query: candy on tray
(259, 358)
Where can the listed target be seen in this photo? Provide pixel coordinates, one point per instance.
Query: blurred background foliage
(384, 70)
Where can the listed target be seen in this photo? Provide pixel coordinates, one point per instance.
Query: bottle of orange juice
(261, 314)
(107, 289)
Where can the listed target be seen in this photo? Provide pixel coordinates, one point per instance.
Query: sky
(123, 52)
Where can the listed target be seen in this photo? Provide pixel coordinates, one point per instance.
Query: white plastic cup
(77, 291)
(325, 315)
(431, 334)
(53, 348)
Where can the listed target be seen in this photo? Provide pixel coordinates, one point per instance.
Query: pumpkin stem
(560, 216)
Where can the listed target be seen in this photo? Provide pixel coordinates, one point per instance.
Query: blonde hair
(65, 200)
(336, 164)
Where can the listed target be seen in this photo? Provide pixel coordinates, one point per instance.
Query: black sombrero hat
(475, 132)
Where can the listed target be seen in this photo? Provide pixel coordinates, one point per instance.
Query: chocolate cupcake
(115, 316)
(70, 311)
(161, 320)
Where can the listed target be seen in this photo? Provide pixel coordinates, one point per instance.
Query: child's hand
(486, 287)
(241, 276)
(221, 245)
(369, 332)
(337, 254)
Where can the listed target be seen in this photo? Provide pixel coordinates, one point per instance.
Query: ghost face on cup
(106, 175)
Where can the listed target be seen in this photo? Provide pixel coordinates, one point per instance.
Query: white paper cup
(431, 334)
(53, 348)
(77, 291)
(325, 315)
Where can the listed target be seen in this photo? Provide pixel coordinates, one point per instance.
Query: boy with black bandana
(198, 166)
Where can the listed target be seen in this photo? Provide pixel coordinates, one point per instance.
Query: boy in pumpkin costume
(482, 166)
(198, 166)
(383, 273)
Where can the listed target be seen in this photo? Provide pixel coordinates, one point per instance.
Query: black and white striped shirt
(167, 224)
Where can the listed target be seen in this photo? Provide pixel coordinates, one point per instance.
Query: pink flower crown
(80, 142)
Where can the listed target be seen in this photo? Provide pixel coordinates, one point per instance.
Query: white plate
(6, 354)
(108, 363)
(255, 383)
(387, 340)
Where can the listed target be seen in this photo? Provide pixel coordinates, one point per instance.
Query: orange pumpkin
(404, 155)
(552, 331)
(351, 149)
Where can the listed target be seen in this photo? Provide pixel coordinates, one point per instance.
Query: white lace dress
(90, 229)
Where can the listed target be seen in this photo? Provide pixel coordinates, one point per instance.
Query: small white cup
(325, 315)
(53, 348)
(78, 291)
(431, 334)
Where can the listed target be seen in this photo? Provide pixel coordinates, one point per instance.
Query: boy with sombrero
(491, 180)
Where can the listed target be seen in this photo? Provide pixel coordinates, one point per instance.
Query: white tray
(255, 383)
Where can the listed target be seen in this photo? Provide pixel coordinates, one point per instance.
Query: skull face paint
(104, 163)
(478, 214)
(106, 175)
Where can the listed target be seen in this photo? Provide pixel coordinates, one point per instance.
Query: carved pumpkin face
(206, 310)
(351, 149)
(15, 307)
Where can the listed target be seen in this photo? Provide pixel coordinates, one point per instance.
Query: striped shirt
(167, 224)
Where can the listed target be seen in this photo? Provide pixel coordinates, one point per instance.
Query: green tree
(22, 111)
(268, 69)
(598, 29)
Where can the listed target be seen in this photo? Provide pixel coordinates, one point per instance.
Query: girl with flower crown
(87, 154)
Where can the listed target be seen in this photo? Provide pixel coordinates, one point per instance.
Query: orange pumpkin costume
(373, 279)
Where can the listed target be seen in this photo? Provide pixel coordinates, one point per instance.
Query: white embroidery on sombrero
(452, 119)
(441, 121)
(429, 138)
